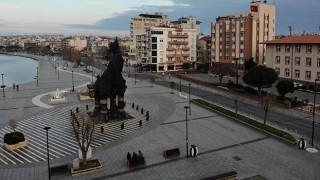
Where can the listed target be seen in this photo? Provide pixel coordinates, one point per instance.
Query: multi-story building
(167, 48)
(76, 43)
(295, 57)
(204, 50)
(241, 35)
(138, 25)
(187, 23)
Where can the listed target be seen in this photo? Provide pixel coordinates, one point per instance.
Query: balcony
(178, 36)
(170, 55)
(185, 49)
(178, 42)
(185, 55)
(170, 49)
(179, 29)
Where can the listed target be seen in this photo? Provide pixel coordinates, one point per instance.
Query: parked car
(296, 85)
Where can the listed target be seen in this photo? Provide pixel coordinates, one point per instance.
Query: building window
(318, 76)
(242, 42)
(318, 62)
(308, 61)
(154, 39)
(154, 46)
(308, 74)
(298, 47)
(297, 73)
(278, 70)
(309, 48)
(154, 53)
(287, 72)
(318, 48)
(277, 59)
(287, 61)
(242, 33)
(297, 61)
(278, 48)
(154, 60)
(287, 48)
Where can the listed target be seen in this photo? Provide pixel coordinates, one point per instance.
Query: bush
(13, 138)
(250, 90)
(247, 120)
(232, 85)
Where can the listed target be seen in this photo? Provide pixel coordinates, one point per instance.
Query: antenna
(290, 30)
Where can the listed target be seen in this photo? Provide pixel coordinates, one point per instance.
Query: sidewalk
(223, 144)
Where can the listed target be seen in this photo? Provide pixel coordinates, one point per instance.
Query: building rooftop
(301, 39)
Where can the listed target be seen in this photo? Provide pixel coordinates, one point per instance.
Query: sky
(112, 17)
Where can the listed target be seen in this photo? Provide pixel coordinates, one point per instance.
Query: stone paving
(224, 145)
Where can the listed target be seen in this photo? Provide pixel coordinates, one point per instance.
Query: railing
(178, 36)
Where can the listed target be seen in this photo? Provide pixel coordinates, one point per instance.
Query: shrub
(250, 90)
(13, 138)
(232, 85)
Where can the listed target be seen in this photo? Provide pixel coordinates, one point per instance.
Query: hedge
(247, 120)
(13, 138)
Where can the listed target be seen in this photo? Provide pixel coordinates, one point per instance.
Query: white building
(167, 48)
(187, 23)
(76, 43)
(241, 35)
(295, 57)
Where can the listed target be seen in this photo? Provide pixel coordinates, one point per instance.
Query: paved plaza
(223, 144)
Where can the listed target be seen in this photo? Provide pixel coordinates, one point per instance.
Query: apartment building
(242, 35)
(138, 25)
(203, 49)
(295, 57)
(187, 23)
(76, 43)
(166, 48)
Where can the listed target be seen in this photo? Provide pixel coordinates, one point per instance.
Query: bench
(136, 162)
(232, 175)
(171, 153)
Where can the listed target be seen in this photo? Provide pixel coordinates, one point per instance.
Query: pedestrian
(129, 156)
(140, 154)
(14, 85)
(122, 125)
(140, 123)
(17, 87)
(134, 156)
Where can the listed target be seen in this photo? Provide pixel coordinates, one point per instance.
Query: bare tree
(13, 125)
(83, 131)
(236, 100)
(221, 69)
(267, 106)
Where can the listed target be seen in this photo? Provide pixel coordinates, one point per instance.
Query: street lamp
(189, 100)
(314, 109)
(47, 129)
(91, 74)
(169, 77)
(135, 76)
(72, 81)
(180, 82)
(236, 59)
(37, 76)
(58, 68)
(3, 86)
(187, 139)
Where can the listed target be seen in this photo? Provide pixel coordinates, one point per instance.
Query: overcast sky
(112, 17)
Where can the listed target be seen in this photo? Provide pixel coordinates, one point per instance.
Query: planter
(15, 146)
(93, 166)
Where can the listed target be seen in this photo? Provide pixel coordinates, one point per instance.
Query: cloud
(11, 6)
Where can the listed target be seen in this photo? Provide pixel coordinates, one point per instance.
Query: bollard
(137, 107)
(141, 110)
(122, 125)
(147, 116)
(71, 113)
(102, 129)
(87, 107)
(77, 109)
(132, 105)
(140, 123)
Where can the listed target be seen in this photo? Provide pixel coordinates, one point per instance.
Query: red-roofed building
(295, 57)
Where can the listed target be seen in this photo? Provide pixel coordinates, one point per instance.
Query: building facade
(76, 43)
(295, 57)
(187, 23)
(138, 25)
(204, 50)
(167, 48)
(241, 35)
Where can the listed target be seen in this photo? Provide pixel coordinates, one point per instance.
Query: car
(295, 84)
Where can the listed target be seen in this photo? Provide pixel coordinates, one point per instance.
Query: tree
(284, 87)
(172, 85)
(260, 76)
(248, 64)
(83, 131)
(221, 69)
(13, 125)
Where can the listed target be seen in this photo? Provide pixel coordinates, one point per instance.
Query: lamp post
(187, 139)
(47, 129)
(91, 74)
(236, 59)
(135, 76)
(72, 81)
(314, 110)
(58, 68)
(189, 100)
(3, 86)
(169, 77)
(37, 76)
(180, 83)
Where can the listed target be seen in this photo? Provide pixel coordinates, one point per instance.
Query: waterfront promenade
(223, 144)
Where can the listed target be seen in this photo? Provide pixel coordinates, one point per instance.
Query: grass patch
(247, 120)
(90, 164)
